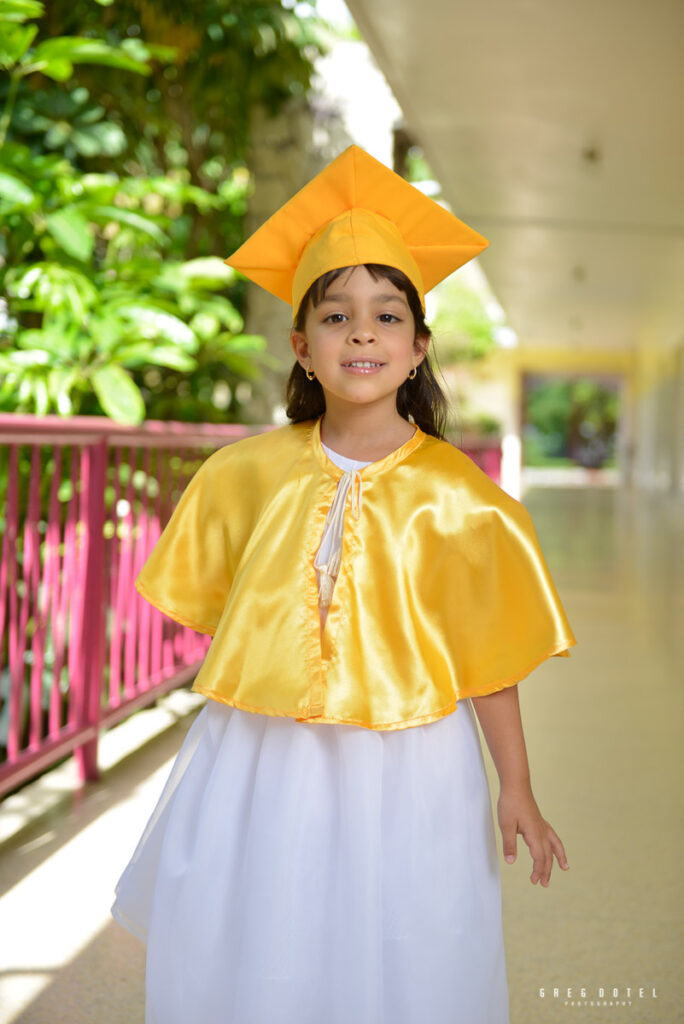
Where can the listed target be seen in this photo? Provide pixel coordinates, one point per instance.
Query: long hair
(421, 398)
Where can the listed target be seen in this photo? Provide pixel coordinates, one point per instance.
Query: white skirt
(295, 873)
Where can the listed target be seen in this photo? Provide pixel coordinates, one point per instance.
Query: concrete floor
(604, 732)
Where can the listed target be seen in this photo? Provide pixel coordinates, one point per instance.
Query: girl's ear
(299, 344)
(421, 344)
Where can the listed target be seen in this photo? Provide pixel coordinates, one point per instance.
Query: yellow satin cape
(443, 591)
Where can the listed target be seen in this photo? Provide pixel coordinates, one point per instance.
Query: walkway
(604, 733)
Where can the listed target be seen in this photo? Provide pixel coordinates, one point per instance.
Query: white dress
(302, 873)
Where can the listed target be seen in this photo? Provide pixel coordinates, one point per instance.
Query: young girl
(323, 851)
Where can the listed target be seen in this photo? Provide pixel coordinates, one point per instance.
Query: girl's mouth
(362, 366)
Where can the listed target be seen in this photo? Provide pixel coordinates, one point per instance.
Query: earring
(310, 375)
(413, 373)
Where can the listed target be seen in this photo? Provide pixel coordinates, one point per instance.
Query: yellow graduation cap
(355, 211)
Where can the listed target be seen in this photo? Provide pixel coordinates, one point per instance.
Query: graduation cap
(355, 211)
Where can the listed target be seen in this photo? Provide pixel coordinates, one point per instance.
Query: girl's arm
(499, 716)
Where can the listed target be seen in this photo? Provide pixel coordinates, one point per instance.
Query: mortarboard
(355, 211)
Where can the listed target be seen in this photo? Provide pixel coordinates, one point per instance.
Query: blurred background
(140, 143)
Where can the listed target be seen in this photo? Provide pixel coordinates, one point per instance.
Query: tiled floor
(604, 735)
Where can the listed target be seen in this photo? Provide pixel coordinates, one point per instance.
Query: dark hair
(422, 397)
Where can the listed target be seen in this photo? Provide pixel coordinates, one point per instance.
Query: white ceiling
(505, 97)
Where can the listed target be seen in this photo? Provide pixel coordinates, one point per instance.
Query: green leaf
(134, 355)
(87, 114)
(216, 305)
(41, 396)
(15, 191)
(104, 214)
(29, 357)
(103, 139)
(150, 321)
(102, 183)
(136, 49)
(207, 272)
(60, 382)
(118, 395)
(247, 343)
(58, 343)
(60, 69)
(35, 167)
(52, 286)
(57, 134)
(80, 50)
(20, 10)
(205, 325)
(14, 42)
(108, 332)
(241, 366)
(162, 53)
(145, 354)
(173, 358)
(70, 229)
(174, 190)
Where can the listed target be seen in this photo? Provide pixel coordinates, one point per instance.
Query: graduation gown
(443, 591)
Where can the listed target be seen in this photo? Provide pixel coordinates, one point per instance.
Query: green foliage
(462, 326)
(548, 410)
(570, 419)
(112, 211)
(103, 300)
(68, 121)
(417, 167)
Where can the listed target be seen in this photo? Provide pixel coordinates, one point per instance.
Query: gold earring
(413, 373)
(310, 375)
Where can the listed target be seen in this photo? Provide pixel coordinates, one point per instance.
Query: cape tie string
(334, 527)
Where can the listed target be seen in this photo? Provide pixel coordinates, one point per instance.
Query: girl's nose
(362, 331)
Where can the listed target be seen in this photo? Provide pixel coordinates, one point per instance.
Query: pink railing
(484, 451)
(85, 501)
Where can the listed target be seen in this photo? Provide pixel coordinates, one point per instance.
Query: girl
(323, 851)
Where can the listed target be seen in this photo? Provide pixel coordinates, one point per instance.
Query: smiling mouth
(362, 363)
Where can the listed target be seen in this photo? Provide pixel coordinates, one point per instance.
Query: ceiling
(556, 129)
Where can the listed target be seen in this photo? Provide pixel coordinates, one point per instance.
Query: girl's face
(360, 341)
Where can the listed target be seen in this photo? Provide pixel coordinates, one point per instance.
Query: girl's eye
(337, 318)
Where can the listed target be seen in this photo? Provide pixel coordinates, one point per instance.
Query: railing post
(94, 617)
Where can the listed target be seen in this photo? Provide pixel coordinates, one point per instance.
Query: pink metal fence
(84, 502)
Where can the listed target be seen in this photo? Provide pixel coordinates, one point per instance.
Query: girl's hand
(518, 813)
